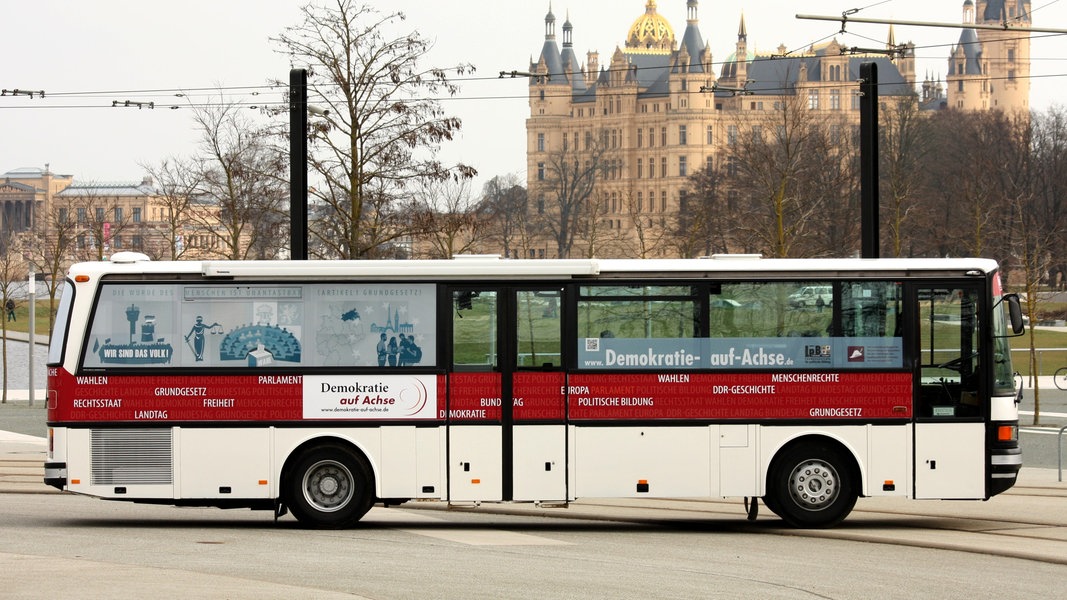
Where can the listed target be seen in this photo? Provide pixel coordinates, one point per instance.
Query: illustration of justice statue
(197, 335)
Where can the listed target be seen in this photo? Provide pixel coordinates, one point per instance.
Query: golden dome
(650, 33)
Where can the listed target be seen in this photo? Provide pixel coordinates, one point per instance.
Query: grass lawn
(22, 315)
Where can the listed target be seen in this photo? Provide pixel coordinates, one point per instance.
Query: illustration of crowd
(279, 342)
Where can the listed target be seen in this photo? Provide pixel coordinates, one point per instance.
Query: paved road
(69, 546)
(58, 544)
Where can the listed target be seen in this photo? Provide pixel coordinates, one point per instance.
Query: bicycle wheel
(1060, 378)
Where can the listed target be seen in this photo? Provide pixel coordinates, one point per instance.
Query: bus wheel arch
(813, 482)
(327, 483)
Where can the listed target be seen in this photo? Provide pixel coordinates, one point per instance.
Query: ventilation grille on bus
(131, 456)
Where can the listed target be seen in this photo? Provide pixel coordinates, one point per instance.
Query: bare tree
(961, 187)
(447, 217)
(768, 166)
(1049, 207)
(384, 125)
(1033, 171)
(505, 207)
(904, 151)
(55, 245)
(832, 184)
(566, 182)
(652, 229)
(13, 270)
(178, 181)
(241, 191)
(704, 225)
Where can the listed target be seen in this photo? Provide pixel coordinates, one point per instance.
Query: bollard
(1059, 453)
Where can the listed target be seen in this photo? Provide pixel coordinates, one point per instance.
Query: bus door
(949, 406)
(506, 395)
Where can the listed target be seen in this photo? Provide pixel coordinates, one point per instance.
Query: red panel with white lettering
(538, 396)
(743, 396)
(474, 397)
(242, 397)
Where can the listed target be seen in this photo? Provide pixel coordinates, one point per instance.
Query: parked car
(812, 296)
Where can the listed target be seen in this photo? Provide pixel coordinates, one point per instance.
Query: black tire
(329, 487)
(812, 486)
(770, 503)
(1060, 378)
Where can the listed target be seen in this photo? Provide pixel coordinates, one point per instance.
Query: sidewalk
(22, 464)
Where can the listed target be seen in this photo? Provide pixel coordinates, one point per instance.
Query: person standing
(197, 334)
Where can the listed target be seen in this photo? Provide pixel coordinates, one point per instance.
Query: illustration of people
(197, 334)
(393, 351)
(10, 306)
(382, 352)
(410, 353)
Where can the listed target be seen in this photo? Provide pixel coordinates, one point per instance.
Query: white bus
(323, 387)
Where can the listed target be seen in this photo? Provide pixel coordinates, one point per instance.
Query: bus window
(772, 309)
(948, 334)
(223, 325)
(870, 309)
(637, 312)
(627, 326)
(474, 330)
(537, 328)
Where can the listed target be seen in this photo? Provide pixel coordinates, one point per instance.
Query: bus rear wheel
(812, 486)
(329, 487)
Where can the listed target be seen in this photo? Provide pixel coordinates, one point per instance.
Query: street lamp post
(31, 284)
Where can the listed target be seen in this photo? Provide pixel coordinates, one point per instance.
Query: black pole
(298, 164)
(869, 160)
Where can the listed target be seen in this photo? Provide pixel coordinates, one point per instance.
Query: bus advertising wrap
(477, 397)
(741, 353)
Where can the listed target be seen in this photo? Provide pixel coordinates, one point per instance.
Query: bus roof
(493, 267)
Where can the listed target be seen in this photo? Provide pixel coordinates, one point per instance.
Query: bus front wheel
(329, 487)
(812, 486)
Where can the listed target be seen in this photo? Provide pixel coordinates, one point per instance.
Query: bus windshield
(59, 332)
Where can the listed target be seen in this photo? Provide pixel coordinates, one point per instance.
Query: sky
(87, 54)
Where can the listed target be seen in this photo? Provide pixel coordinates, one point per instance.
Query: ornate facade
(660, 110)
(989, 69)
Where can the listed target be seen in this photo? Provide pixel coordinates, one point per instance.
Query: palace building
(662, 107)
(989, 69)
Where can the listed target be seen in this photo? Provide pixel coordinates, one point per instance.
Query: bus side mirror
(1015, 314)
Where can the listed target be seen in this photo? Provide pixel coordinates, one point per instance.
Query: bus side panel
(738, 460)
(889, 461)
(635, 461)
(475, 463)
(410, 462)
(949, 462)
(124, 470)
(540, 463)
(223, 463)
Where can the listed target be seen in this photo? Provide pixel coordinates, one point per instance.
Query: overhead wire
(237, 95)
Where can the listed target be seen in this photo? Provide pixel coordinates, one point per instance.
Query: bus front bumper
(55, 475)
(1004, 466)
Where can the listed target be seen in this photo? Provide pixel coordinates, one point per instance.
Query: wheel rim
(328, 485)
(813, 484)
